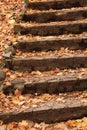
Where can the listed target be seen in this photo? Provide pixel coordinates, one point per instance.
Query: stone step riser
(73, 43)
(43, 17)
(45, 5)
(48, 116)
(52, 29)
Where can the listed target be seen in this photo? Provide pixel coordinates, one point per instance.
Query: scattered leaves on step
(35, 76)
(11, 103)
(58, 53)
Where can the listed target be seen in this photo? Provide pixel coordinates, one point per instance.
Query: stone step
(72, 42)
(58, 4)
(55, 28)
(47, 61)
(55, 15)
(54, 81)
(44, 108)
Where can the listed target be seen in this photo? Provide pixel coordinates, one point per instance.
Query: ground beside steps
(56, 44)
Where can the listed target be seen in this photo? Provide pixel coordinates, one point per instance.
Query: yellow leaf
(24, 123)
(12, 21)
(15, 100)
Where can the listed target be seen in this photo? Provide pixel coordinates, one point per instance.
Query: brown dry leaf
(12, 76)
(5, 70)
(83, 100)
(20, 74)
(17, 92)
(56, 128)
(45, 96)
(48, 128)
(30, 124)
(62, 126)
(11, 126)
(60, 100)
(8, 83)
(1, 122)
(21, 127)
(71, 123)
(32, 129)
(84, 119)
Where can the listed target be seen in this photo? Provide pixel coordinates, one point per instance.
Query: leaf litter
(9, 10)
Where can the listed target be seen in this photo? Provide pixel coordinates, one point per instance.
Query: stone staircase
(58, 51)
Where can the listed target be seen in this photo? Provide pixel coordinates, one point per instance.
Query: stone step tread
(55, 15)
(53, 28)
(44, 108)
(32, 24)
(54, 81)
(34, 1)
(59, 4)
(39, 38)
(62, 53)
(71, 41)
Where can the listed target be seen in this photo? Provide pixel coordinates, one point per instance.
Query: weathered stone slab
(57, 84)
(43, 63)
(54, 43)
(61, 15)
(59, 4)
(51, 29)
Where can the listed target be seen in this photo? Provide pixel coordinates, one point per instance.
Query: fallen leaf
(24, 123)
